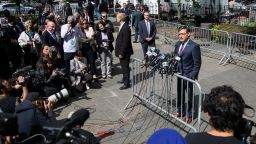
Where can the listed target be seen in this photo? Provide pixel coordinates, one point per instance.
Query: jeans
(105, 58)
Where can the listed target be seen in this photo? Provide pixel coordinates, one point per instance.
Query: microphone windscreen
(80, 116)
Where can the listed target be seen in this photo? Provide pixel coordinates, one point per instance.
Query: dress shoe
(94, 76)
(104, 76)
(110, 76)
(179, 115)
(188, 120)
(124, 87)
(120, 82)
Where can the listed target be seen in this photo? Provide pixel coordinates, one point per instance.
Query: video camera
(27, 72)
(244, 129)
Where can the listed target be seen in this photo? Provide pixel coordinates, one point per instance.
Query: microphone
(77, 118)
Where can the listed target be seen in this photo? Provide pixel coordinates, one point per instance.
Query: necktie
(148, 27)
(181, 49)
(53, 36)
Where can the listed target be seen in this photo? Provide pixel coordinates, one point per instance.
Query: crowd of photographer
(43, 63)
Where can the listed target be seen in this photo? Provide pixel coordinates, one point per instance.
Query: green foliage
(185, 21)
(196, 5)
(218, 36)
(249, 28)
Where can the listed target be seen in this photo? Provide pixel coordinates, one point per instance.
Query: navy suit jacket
(143, 32)
(190, 63)
(49, 40)
(136, 18)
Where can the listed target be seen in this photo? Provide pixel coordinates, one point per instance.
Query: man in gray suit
(136, 18)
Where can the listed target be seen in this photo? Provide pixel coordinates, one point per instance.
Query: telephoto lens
(63, 94)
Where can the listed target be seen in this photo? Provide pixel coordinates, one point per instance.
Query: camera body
(26, 72)
(244, 130)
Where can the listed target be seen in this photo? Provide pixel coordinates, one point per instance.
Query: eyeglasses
(183, 33)
(103, 16)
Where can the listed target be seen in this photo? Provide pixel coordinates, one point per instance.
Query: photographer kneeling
(52, 70)
(79, 75)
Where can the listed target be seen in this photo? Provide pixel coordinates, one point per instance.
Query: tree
(18, 4)
(179, 6)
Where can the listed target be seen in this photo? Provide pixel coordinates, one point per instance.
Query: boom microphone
(77, 118)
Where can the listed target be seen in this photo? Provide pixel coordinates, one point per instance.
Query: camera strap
(249, 107)
(30, 35)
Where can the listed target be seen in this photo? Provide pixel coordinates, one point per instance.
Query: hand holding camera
(48, 105)
(54, 73)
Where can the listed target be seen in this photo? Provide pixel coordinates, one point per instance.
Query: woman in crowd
(51, 70)
(104, 40)
(29, 41)
(87, 44)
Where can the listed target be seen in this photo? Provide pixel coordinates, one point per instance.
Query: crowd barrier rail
(160, 92)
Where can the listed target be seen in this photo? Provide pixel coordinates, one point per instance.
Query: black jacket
(30, 119)
(123, 42)
(49, 40)
(110, 38)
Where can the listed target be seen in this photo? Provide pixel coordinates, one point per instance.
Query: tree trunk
(179, 9)
(158, 8)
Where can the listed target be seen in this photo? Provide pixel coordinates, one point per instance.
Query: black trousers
(136, 33)
(124, 62)
(184, 86)
(90, 56)
(67, 57)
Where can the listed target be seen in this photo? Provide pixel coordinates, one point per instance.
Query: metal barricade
(211, 40)
(167, 95)
(243, 46)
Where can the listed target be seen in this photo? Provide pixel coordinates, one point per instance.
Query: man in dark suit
(189, 66)
(147, 31)
(136, 18)
(50, 38)
(126, 10)
(123, 49)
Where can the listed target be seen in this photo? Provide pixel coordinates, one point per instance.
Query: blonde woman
(29, 41)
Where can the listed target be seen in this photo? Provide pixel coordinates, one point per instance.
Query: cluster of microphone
(165, 63)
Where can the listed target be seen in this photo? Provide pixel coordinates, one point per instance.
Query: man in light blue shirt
(70, 33)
